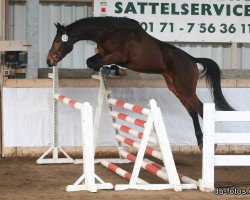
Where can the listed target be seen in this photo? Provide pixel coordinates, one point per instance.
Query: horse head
(61, 46)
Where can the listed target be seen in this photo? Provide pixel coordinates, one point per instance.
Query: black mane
(92, 28)
(103, 22)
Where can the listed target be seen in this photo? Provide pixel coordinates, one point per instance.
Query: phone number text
(197, 27)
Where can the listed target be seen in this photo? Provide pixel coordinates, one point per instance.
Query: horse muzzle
(51, 61)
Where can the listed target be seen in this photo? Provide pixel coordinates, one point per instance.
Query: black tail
(213, 77)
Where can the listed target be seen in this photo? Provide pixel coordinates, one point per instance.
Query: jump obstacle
(123, 133)
(210, 138)
(87, 180)
(209, 159)
(154, 123)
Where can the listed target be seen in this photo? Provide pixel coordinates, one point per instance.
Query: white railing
(211, 138)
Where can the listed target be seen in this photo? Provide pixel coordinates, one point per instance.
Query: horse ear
(59, 27)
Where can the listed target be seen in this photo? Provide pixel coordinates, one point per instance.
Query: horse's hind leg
(192, 104)
(193, 111)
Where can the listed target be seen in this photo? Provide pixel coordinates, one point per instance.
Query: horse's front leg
(116, 59)
(95, 62)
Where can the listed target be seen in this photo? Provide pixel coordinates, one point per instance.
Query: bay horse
(123, 42)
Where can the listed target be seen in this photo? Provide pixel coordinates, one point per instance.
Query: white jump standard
(87, 180)
(55, 148)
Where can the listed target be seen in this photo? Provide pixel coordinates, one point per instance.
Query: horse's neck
(88, 31)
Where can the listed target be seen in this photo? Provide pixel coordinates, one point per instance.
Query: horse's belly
(150, 69)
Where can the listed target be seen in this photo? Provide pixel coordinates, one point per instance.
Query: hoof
(96, 69)
(118, 71)
(90, 64)
(122, 72)
(200, 143)
(93, 65)
(113, 71)
(200, 146)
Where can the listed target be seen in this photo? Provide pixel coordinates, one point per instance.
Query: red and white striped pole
(149, 150)
(133, 132)
(128, 106)
(156, 169)
(183, 179)
(127, 118)
(69, 102)
(114, 168)
(150, 168)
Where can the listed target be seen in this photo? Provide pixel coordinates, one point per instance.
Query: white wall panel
(27, 120)
(68, 13)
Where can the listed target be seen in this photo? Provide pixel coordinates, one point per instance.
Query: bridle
(57, 54)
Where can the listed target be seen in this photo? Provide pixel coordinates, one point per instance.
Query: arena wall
(27, 120)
